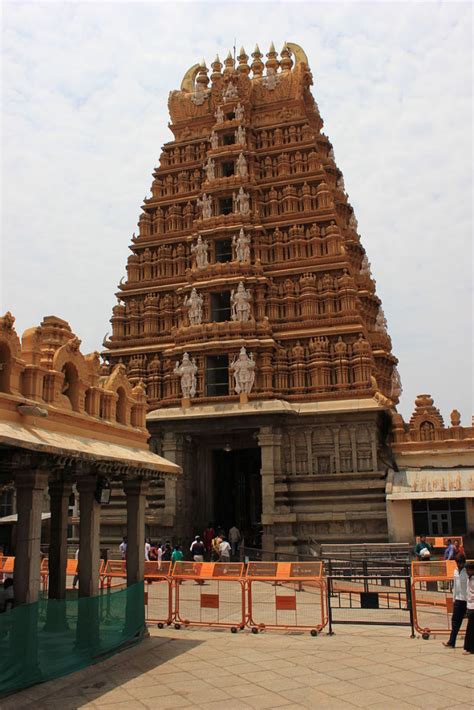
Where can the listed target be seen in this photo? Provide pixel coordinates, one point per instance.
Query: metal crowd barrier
(432, 598)
(159, 597)
(286, 595)
(209, 594)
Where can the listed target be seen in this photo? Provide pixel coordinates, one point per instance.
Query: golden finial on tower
(228, 64)
(243, 67)
(216, 67)
(202, 77)
(257, 64)
(272, 62)
(286, 61)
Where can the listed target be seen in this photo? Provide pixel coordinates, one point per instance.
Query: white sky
(84, 94)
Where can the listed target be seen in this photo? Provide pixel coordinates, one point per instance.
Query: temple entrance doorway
(237, 489)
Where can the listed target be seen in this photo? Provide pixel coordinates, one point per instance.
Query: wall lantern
(103, 491)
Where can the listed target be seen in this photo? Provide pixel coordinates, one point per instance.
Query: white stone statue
(271, 80)
(241, 246)
(219, 114)
(353, 222)
(231, 91)
(187, 371)
(200, 251)
(240, 135)
(365, 267)
(239, 112)
(240, 303)
(243, 368)
(397, 389)
(381, 321)
(206, 206)
(241, 166)
(331, 154)
(340, 184)
(200, 95)
(214, 138)
(211, 169)
(241, 202)
(194, 304)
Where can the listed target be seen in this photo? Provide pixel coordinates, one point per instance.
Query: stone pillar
(173, 448)
(30, 488)
(135, 490)
(89, 537)
(269, 440)
(59, 492)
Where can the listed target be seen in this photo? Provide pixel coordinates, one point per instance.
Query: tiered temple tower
(250, 314)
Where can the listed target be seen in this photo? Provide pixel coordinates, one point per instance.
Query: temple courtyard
(359, 666)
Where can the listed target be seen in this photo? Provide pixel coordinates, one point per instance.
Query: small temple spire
(216, 67)
(257, 64)
(228, 64)
(272, 62)
(243, 66)
(286, 61)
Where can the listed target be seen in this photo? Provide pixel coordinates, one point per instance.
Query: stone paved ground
(360, 666)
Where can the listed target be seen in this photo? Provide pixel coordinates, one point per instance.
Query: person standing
(198, 550)
(459, 600)
(215, 551)
(458, 549)
(177, 554)
(423, 550)
(166, 554)
(76, 576)
(224, 551)
(234, 539)
(123, 549)
(147, 549)
(469, 638)
(449, 552)
(207, 538)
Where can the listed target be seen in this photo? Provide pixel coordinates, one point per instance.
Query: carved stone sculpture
(206, 206)
(200, 250)
(219, 114)
(242, 203)
(381, 322)
(240, 136)
(241, 166)
(231, 91)
(214, 139)
(187, 371)
(240, 303)
(194, 304)
(241, 246)
(211, 169)
(396, 391)
(243, 368)
(239, 112)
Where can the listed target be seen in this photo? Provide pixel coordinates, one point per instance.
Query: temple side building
(250, 314)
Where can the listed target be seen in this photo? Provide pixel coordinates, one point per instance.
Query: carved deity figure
(365, 267)
(271, 80)
(239, 112)
(340, 348)
(240, 303)
(353, 222)
(206, 206)
(219, 114)
(214, 139)
(243, 368)
(231, 91)
(199, 96)
(241, 246)
(381, 321)
(211, 169)
(187, 371)
(194, 304)
(200, 251)
(396, 382)
(241, 201)
(240, 135)
(241, 166)
(340, 184)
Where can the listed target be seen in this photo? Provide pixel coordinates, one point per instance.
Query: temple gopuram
(251, 316)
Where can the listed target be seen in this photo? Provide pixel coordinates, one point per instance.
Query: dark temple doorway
(238, 492)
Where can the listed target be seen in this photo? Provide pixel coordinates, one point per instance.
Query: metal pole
(410, 606)
(329, 592)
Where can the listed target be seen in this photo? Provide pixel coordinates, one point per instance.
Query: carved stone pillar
(59, 492)
(177, 491)
(30, 488)
(269, 440)
(352, 430)
(89, 537)
(135, 491)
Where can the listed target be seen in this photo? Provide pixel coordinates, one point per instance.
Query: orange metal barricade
(6, 565)
(209, 594)
(114, 569)
(158, 593)
(432, 604)
(286, 595)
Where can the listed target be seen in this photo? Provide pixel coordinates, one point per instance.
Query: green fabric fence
(52, 637)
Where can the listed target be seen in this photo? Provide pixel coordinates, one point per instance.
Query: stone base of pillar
(185, 403)
(243, 398)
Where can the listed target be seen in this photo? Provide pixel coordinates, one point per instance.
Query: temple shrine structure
(251, 316)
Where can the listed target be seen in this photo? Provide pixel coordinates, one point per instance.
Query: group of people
(463, 589)
(155, 551)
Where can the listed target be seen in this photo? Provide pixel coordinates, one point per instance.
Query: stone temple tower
(250, 314)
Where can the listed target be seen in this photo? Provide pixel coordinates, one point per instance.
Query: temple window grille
(220, 306)
(225, 205)
(6, 503)
(217, 376)
(223, 250)
(228, 169)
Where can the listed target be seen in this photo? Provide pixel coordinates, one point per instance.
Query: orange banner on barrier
(208, 570)
(284, 603)
(290, 571)
(209, 601)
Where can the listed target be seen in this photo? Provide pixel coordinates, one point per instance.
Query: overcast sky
(84, 94)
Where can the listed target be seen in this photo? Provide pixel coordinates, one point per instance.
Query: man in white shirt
(147, 549)
(123, 549)
(459, 600)
(224, 551)
(469, 637)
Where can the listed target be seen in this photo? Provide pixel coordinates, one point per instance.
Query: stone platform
(359, 666)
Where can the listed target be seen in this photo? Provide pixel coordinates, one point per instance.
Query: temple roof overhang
(80, 448)
(271, 406)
